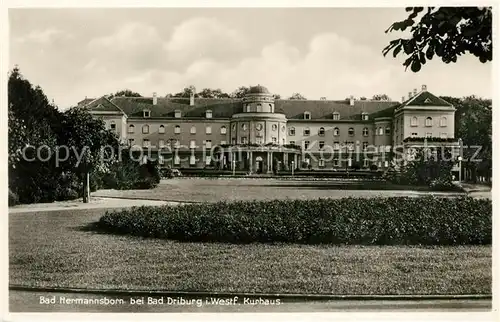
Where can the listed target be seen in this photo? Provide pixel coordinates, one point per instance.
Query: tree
(381, 97)
(186, 92)
(212, 93)
(446, 32)
(276, 96)
(297, 96)
(127, 93)
(240, 92)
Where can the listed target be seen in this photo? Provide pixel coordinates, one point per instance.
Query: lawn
(55, 249)
(204, 189)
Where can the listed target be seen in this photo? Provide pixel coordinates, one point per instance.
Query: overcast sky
(73, 53)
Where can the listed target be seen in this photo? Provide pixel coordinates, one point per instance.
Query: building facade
(260, 134)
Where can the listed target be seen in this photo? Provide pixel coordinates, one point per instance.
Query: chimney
(191, 96)
(402, 99)
(155, 99)
(424, 88)
(409, 95)
(414, 91)
(351, 100)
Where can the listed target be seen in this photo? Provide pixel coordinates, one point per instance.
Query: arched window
(336, 116)
(307, 131)
(336, 131)
(291, 131)
(442, 121)
(380, 131)
(248, 107)
(223, 129)
(192, 130)
(145, 129)
(131, 128)
(414, 121)
(365, 131)
(351, 131)
(177, 129)
(428, 121)
(259, 107)
(161, 129)
(387, 130)
(321, 131)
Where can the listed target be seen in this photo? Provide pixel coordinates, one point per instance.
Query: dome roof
(258, 90)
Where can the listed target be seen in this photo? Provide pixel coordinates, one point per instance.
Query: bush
(444, 185)
(13, 198)
(67, 194)
(373, 167)
(376, 221)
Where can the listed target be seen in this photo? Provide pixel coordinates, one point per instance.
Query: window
(274, 127)
(283, 128)
(365, 131)
(291, 131)
(161, 129)
(307, 131)
(364, 116)
(365, 146)
(414, 134)
(380, 131)
(321, 145)
(271, 109)
(160, 159)
(248, 107)
(307, 115)
(243, 140)
(274, 140)
(175, 143)
(192, 160)
(387, 148)
(321, 131)
(208, 114)
(192, 144)
(131, 128)
(145, 143)
(442, 121)
(233, 141)
(177, 129)
(112, 125)
(177, 114)
(336, 162)
(223, 130)
(306, 145)
(244, 126)
(259, 107)
(428, 135)
(336, 131)
(336, 145)
(321, 163)
(146, 113)
(208, 144)
(428, 121)
(208, 160)
(386, 163)
(177, 160)
(130, 142)
(258, 140)
(145, 129)
(223, 142)
(336, 116)
(387, 130)
(161, 143)
(351, 131)
(233, 127)
(192, 130)
(414, 121)
(292, 142)
(208, 130)
(350, 146)
(443, 135)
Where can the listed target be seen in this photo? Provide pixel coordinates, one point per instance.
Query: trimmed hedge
(375, 221)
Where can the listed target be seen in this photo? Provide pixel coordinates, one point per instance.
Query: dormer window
(146, 113)
(177, 114)
(364, 116)
(336, 116)
(307, 115)
(208, 114)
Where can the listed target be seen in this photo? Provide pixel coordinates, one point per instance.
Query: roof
(85, 101)
(226, 107)
(425, 98)
(259, 89)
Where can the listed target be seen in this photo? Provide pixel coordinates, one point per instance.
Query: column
(285, 160)
(268, 163)
(295, 160)
(250, 162)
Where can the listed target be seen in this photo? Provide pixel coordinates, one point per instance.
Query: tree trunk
(86, 188)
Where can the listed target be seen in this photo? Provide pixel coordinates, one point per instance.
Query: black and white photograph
(249, 159)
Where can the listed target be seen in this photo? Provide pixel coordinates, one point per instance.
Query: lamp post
(293, 167)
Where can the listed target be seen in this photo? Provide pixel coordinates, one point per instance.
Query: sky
(318, 52)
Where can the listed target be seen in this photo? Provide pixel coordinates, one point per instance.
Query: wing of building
(260, 134)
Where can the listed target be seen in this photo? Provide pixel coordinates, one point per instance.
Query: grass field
(199, 189)
(56, 249)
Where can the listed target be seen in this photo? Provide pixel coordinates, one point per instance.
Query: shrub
(375, 221)
(444, 185)
(373, 167)
(13, 198)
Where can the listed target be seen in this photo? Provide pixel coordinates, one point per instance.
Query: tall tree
(212, 93)
(127, 93)
(240, 92)
(446, 32)
(186, 92)
(297, 96)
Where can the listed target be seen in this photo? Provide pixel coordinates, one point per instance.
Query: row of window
(335, 116)
(337, 146)
(174, 143)
(177, 129)
(177, 114)
(336, 131)
(428, 121)
(442, 135)
(338, 163)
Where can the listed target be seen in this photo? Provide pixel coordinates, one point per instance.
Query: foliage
(297, 96)
(13, 198)
(212, 93)
(240, 92)
(126, 93)
(446, 32)
(186, 92)
(374, 221)
(381, 97)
